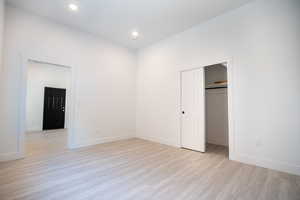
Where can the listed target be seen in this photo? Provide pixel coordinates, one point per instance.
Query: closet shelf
(217, 85)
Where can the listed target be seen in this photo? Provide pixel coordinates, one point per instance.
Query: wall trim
(25, 59)
(158, 140)
(242, 158)
(267, 163)
(11, 156)
(91, 142)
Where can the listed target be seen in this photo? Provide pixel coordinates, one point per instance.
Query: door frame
(230, 91)
(71, 98)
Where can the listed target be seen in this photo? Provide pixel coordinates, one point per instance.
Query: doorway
(216, 107)
(47, 100)
(204, 108)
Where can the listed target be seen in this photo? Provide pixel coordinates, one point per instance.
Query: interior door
(54, 108)
(193, 110)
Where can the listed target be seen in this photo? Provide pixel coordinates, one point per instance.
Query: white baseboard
(11, 156)
(261, 162)
(267, 163)
(20, 155)
(98, 141)
(217, 143)
(157, 140)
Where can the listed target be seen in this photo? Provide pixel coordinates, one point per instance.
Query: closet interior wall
(216, 105)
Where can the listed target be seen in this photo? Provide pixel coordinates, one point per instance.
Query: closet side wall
(216, 107)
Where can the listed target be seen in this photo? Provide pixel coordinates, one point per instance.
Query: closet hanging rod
(213, 88)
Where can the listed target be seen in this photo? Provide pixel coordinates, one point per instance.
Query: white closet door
(193, 110)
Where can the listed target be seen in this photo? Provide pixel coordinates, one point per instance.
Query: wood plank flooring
(46, 142)
(138, 169)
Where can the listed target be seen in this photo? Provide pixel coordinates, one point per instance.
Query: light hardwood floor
(137, 169)
(46, 142)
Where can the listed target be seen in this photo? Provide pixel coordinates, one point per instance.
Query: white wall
(105, 79)
(216, 116)
(1, 44)
(2, 115)
(1, 31)
(262, 40)
(40, 76)
(216, 106)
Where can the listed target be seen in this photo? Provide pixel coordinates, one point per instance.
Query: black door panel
(54, 108)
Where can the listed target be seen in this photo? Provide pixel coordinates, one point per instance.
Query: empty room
(156, 100)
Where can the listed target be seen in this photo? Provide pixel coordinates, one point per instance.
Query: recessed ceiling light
(73, 7)
(135, 35)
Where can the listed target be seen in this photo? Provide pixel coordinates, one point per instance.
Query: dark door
(54, 108)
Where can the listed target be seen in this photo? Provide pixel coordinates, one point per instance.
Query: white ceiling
(115, 19)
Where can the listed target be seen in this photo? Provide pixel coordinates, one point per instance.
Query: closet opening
(216, 108)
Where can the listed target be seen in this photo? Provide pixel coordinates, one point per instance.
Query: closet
(204, 107)
(216, 104)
